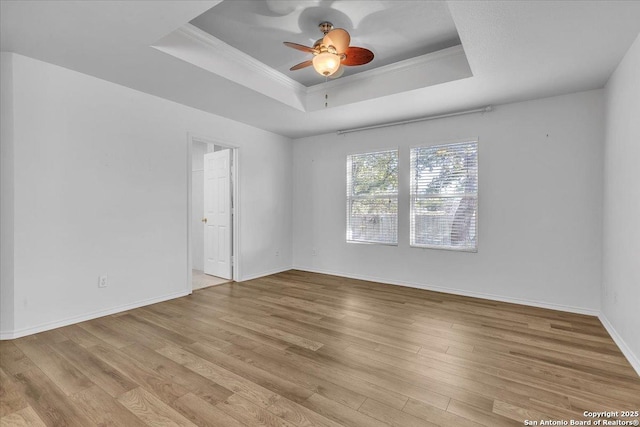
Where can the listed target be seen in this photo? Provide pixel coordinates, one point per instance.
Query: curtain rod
(486, 109)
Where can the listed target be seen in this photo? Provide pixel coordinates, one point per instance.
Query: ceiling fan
(332, 52)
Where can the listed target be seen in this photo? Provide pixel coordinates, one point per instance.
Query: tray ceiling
(393, 30)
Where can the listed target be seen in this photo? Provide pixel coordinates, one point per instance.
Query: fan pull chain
(326, 95)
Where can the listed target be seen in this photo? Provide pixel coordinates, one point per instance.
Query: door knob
(204, 220)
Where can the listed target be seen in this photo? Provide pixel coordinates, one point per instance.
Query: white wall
(100, 184)
(621, 253)
(540, 205)
(6, 190)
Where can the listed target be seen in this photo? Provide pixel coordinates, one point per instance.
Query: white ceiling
(393, 30)
(516, 50)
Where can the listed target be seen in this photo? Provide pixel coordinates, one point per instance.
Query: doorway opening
(212, 243)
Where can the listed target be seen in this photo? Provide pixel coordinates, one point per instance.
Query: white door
(217, 214)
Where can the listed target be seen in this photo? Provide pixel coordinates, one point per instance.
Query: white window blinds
(372, 197)
(444, 196)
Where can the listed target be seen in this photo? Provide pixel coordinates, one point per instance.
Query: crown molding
(386, 70)
(193, 45)
(227, 51)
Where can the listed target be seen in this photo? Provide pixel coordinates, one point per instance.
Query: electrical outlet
(277, 253)
(314, 252)
(102, 281)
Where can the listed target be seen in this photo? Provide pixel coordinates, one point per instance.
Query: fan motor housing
(325, 27)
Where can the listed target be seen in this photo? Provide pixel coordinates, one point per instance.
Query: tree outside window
(444, 196)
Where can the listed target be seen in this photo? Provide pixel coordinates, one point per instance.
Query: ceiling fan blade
(301, 65)
(357, 56)
(337, 38)
(299, 47)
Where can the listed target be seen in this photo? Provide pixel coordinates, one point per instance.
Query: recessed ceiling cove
(393, 30)
(414, 45)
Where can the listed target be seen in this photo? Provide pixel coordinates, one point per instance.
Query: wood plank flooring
(305, 349)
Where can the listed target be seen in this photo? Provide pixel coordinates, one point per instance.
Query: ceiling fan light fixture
(338, 73)
(332, 52)
(326, 63)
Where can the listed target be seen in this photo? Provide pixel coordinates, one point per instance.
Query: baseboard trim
(533, 303)
(9, 335)
(265, 273)
(622, 345)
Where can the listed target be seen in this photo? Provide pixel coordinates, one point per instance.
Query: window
(372, 197)
(444, 196)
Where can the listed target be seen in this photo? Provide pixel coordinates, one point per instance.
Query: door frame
(235, 192)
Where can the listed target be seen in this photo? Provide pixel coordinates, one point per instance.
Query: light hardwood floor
(303, 349)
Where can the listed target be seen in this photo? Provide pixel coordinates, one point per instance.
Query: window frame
(350, 198)
(412, 239)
